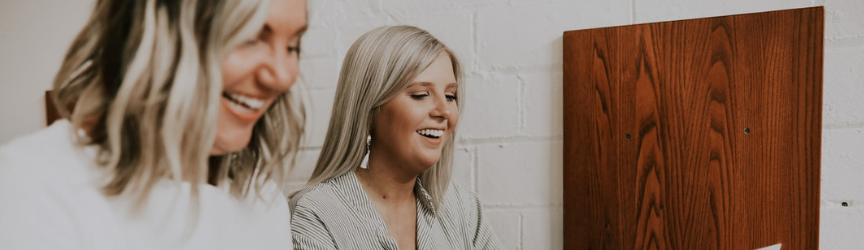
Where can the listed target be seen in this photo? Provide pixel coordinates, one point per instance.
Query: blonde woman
(181, 122)
(383, 177)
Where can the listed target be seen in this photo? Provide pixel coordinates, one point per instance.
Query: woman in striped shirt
(383, 177)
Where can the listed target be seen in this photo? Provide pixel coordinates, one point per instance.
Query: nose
(441, 110)
(279, 71)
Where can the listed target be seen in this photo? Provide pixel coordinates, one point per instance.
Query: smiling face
(412, 128)
(257, 72)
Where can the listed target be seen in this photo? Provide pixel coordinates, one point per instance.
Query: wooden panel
(695, 134)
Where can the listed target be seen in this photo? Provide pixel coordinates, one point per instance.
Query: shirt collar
(423, 196)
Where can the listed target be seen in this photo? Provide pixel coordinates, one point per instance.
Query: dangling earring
(365, 163)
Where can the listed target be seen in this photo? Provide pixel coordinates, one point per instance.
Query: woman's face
(257, 72)
(411, 129)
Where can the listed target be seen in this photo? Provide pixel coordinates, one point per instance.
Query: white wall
(34, 37)
(510, 149)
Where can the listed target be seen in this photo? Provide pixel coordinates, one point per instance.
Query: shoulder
(42, 183)
(461, 207)
(314, 211)
(45, 158)
(460, 198)
(321, 196)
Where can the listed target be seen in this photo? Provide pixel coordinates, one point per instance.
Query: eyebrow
(427, 84)
(267, 30)
(423, 84)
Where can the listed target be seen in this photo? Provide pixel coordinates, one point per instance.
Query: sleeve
(484, 236)
(308, 231)
(32, 210)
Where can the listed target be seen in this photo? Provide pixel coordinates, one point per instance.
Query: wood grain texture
(695, 134)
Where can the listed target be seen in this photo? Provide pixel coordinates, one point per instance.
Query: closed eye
(294, 49)
(452, 98)
(419, 96)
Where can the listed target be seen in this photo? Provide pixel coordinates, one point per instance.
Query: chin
(225, 145)
(429, 162)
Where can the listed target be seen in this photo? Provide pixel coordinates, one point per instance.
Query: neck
(384, 180)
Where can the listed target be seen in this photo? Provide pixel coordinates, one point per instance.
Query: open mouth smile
(431, 133)
(244, 103)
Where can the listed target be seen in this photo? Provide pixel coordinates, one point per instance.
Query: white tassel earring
(365, 163)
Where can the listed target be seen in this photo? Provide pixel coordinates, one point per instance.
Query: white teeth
(431, 132)
(250, 102)
(236, 106)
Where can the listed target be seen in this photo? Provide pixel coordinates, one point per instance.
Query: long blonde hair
(378, 66)
(143, 79)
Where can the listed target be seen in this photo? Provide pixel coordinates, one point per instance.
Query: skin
(263, 68)
(398, 154)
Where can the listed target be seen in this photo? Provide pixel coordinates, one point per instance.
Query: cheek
(235, 68)
(294, 68)
(403, 121)
(454, 117)
(402, 115)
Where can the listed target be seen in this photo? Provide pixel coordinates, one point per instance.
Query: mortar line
(475, 169)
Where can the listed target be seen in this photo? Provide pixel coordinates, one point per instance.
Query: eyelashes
(257, 41)
(419, 96)
(450, 97)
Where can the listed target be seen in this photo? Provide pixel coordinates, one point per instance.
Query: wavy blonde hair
(143, 78)
(379, 65)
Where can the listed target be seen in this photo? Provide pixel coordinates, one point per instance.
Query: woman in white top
(383, 178)
(181, 125)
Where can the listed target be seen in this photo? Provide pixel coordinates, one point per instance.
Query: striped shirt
(337, 214)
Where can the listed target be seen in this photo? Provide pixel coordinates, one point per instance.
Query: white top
(50, 199)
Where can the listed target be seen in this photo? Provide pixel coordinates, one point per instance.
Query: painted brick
(463, 168)
(320, 73)
(520, 174)
(409, 8)
(543, 228)
(529, 34)
(840, 227)
(490, 108)
(666, 10)
(543, 104)
(842, 164)
(330, 13)
(507, 225)
(351, 27)
(318, 42)
(843, 86)
(318, 116)
(305, 164)
(844, 19)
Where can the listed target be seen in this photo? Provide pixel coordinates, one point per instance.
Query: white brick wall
(511, 129)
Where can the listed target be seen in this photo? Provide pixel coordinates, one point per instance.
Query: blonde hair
(378, 66)
(143, 78)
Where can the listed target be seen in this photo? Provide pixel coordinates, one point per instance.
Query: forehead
(439, 71)
(287, 16)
